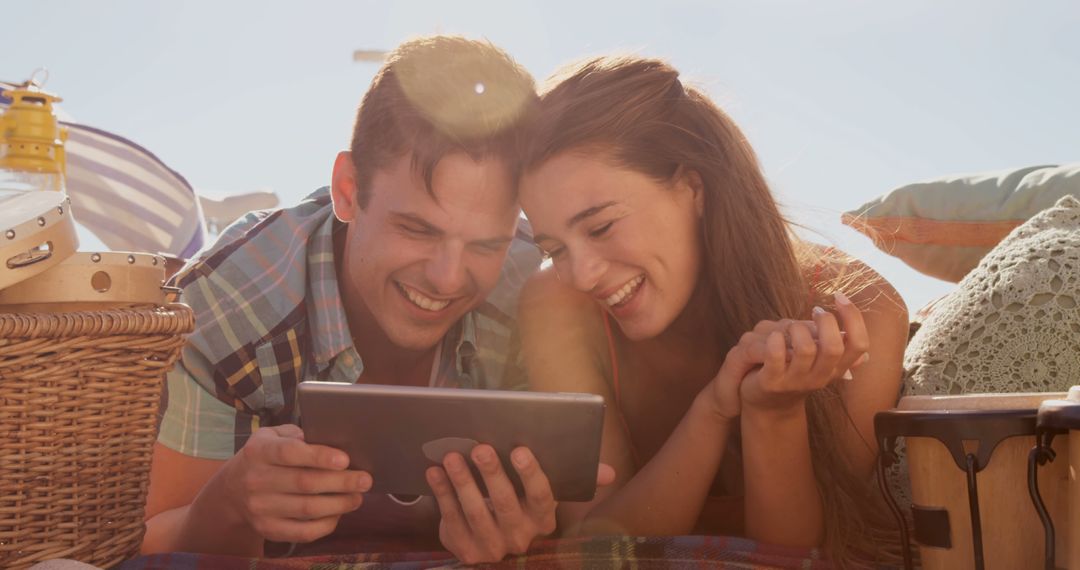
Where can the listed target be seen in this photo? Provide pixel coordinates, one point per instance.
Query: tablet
(397, 432)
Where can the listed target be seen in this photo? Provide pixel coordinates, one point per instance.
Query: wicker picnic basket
(79, 396)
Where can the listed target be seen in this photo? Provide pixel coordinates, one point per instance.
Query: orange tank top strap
(615, 386)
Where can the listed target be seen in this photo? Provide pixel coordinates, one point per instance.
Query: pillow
(1013, 323)
(944, 227)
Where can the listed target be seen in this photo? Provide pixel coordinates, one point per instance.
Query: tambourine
(91, 281)
(37, 232)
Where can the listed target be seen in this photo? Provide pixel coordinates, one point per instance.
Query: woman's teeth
(423, 301)
(621, 295)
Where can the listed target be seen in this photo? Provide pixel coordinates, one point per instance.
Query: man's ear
(343, 188)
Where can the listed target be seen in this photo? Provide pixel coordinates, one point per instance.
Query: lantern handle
(34, 81)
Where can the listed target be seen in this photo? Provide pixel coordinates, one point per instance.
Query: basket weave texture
(79, 396)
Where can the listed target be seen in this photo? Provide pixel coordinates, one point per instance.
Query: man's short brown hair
(437, 95)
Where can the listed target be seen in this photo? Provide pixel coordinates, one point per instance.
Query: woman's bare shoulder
(562, 329)
(545, 295)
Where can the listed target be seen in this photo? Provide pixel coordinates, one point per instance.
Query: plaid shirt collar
(327, 313)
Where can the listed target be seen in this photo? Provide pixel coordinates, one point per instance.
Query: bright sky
(843, 100)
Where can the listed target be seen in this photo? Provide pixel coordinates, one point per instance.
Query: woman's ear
(692, 180)
(343, 188)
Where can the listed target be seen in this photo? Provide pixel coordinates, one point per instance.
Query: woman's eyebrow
(578, 218)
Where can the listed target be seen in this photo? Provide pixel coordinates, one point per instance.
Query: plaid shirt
(269, 315)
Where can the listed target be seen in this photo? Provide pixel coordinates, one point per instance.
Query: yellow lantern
(32, 140)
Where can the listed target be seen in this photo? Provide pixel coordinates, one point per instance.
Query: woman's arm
(783, 502)
(875, 385)
(565, 350)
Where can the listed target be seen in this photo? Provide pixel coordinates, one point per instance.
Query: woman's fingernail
(862, 360)
(841, 299)
(818, 311)
(848, 375)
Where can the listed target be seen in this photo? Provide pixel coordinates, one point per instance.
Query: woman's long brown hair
(641, 116)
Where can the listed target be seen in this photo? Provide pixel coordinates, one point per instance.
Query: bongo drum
(37, 232)
(968, 464)
(90, 281)
(1058, 417)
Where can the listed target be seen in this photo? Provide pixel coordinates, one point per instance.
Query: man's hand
(476, 532)
(287, 490)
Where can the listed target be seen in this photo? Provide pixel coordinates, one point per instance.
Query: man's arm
(196, 438)
(277, 487)
(175, 481)
(205, 498)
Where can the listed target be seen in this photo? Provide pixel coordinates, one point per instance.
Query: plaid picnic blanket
(614, 552)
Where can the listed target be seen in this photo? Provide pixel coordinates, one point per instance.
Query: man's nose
(446, 269)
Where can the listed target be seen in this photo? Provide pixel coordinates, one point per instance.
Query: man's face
(414, 263)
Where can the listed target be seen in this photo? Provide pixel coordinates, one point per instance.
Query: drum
(1057, 418)
(90, 281)
(968, 464)
(37, 232)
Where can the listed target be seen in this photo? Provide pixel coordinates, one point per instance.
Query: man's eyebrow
(414, 219)
(493, 242)
(427, 226)
(578, 218)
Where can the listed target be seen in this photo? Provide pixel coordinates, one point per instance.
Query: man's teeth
(620, 295)
(423, 301)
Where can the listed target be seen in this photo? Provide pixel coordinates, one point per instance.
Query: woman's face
(631, 242)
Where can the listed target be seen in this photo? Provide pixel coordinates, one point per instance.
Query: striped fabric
(268, 315)
(127, 196)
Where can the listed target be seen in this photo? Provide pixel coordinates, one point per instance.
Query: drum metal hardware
(932, 526)
(29, 258)
(970, 437)
(1055, 417)
(1041, 455)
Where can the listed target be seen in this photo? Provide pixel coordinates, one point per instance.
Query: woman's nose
(586, 269)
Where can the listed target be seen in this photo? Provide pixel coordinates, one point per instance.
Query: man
(398, 274)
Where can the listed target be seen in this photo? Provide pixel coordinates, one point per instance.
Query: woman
(734, 357)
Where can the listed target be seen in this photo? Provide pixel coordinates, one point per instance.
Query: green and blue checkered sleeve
(196, 423)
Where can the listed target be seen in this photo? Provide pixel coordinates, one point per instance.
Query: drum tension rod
(972, 468)
(1042, 454)
(888, 457)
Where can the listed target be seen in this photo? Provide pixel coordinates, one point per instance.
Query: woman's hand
(799, 357)
(722, 392)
